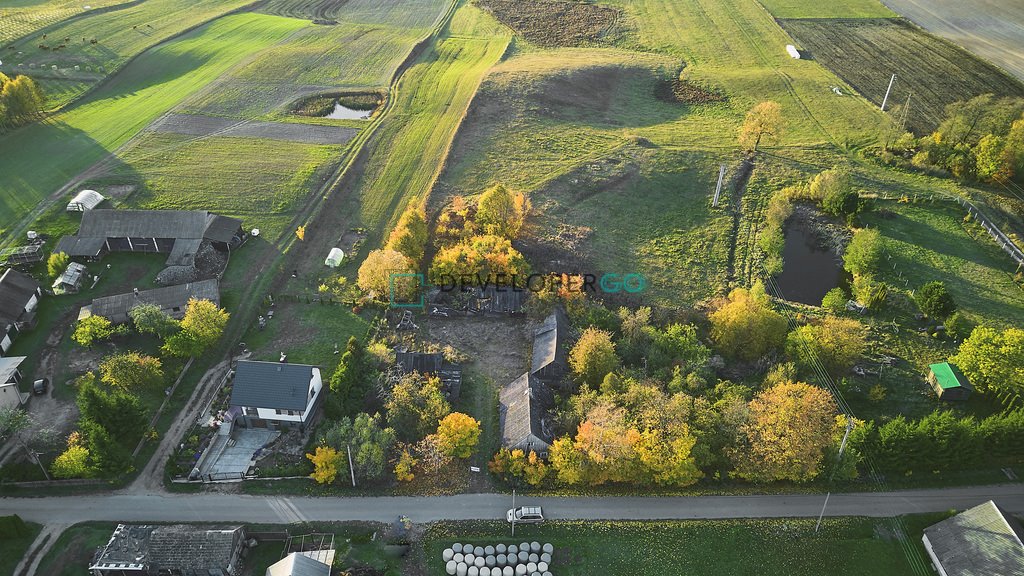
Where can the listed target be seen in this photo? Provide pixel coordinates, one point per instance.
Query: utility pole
(839, 460)
(887, 90)
(351, 470)
(906, 111)
(513, 512)
(718, 189)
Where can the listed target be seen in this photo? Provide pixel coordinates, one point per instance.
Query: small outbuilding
(334, 258)
(300, 564)
(435, 365)
(85, 200)
(150, 550)
(949, 382)
(71, 280)
(172, 300)
(11, 395)
(550, 357)
(792, 51)
(522, 415)
(981, 541)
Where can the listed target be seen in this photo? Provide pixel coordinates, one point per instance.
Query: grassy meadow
(73, 140)
(831, 9)
(23, 17)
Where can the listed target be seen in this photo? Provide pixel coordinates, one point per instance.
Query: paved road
(235, 508)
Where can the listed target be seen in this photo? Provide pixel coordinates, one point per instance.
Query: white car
(525, 515)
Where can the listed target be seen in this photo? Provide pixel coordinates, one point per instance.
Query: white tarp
(85, 200)
(334, 258)
(793, 51)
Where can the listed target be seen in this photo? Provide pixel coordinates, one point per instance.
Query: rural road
(235, 508)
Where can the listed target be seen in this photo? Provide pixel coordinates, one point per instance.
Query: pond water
(344, 113)
(809, 271)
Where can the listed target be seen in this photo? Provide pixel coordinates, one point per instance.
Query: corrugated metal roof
(549, 342)
(76, 246)
(8, 365)
(272, 385)
(524, 403)
(981, 541)
(949, 376)
(16, 289)
(221, 228)
(116, 308)
(143, 224)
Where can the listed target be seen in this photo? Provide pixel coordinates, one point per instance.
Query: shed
(550, 360)
(334, 258)
(793, 52)
(981, 541)
(949, 382)
(70, 281)
(19, 298)
(85, 200)
(10, 377)
(432, 364)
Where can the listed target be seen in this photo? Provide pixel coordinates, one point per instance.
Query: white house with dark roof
(981, 541)
(269, 394)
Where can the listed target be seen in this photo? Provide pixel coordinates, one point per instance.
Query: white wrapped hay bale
(542, 566)
(508, 571)
(531, 567)
(500, 559)
(478, 551)
(456, 547)
(546, 557)
(533, 558)
(523, 557)
(473, 571)
(520, 569)
(447, 555)
(488, 550)
(479, 562)
(450, 567)
(500, 548)
(535, 547)
(548, 548)
(512, 549)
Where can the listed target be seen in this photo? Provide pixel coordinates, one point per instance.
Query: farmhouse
(272, 394)
(178, 550)
(523, 415)
(85, 200)
(982, 541)
(177, 233)
(172, 300)
(949, 382)
(549, 361)
(19, 298)
(70, 281)
(434, 365)
(10, 377)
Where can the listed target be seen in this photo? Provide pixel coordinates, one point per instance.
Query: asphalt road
(266, 509)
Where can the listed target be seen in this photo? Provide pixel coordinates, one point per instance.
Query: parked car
(39, 387)
(525, 515)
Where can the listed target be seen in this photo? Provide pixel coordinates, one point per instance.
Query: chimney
(284, 358)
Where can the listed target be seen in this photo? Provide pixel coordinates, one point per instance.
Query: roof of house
(949, 376)
(549, 342)
(178, 547)
(298, 564)
(524, 403)
(8, 365)
(16, 289)
(981, 541)
(116, 308)
(274, 385)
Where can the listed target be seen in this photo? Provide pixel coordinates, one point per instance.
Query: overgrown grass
(74, 548)
(39, 158)
(785, 546)
(307, 333)
(832, 9)
(13, 549)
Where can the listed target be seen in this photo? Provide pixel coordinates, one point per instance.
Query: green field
(783, 547)
(12, 549)
(263, 182)
(934, 72)
(22, 17)
(74, 548)
(120, 34)
(830, 9)
(73, 140)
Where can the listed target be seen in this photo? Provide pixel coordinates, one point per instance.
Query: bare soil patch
(549, 23)
(196, 125)
(686, 92)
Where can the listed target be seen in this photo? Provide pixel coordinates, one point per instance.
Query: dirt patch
(499, 347)
(195, 125)
(685, 92)
(555, 23)
(119, 192)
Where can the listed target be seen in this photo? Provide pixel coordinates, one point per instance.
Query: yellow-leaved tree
(459, 434)
(745, 326)
(763, 125)
(326, 461)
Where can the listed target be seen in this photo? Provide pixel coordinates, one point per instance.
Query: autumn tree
(745, 326)
(593, 356)
(405, 466)
(935, 301)
(151, 319)
(410, 234)
(326, 461)
(481, 258)
(201, 328)
(430, 455)
(763, 124)
(789, 428)
(368, 439)
(376, 275)
(833, 343)
(993, 361)
(415, 405)
(834, 182)
(131, 371)
(863, 255)
(459, 434)
(56, 264)
(73, 462)
(92, 329)
(502, 212)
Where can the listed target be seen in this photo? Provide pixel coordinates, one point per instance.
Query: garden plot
(194, 125)
(934, 72)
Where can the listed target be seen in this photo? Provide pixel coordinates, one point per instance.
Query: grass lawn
(833, 9)
(12, 549)
(307, 333)
(784, 547)
(43, 156)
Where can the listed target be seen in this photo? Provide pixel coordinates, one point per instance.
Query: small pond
(344, 113)
(809, 270)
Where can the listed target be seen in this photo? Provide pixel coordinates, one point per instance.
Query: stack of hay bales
(523, 559)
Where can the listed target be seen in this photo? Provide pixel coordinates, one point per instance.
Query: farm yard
(933, 72)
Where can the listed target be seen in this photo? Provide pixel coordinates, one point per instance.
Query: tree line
(21, 101)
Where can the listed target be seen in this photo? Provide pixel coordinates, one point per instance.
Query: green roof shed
(949, 382)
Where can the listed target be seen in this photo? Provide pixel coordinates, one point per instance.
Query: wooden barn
(949, 382)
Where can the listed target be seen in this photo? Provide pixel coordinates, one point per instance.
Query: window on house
(277, 412)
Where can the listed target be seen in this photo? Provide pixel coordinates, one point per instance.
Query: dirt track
(195, 125)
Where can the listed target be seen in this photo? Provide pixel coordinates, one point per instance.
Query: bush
(835, 300)
(869, 292)
(864, 254)
(935, 301)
